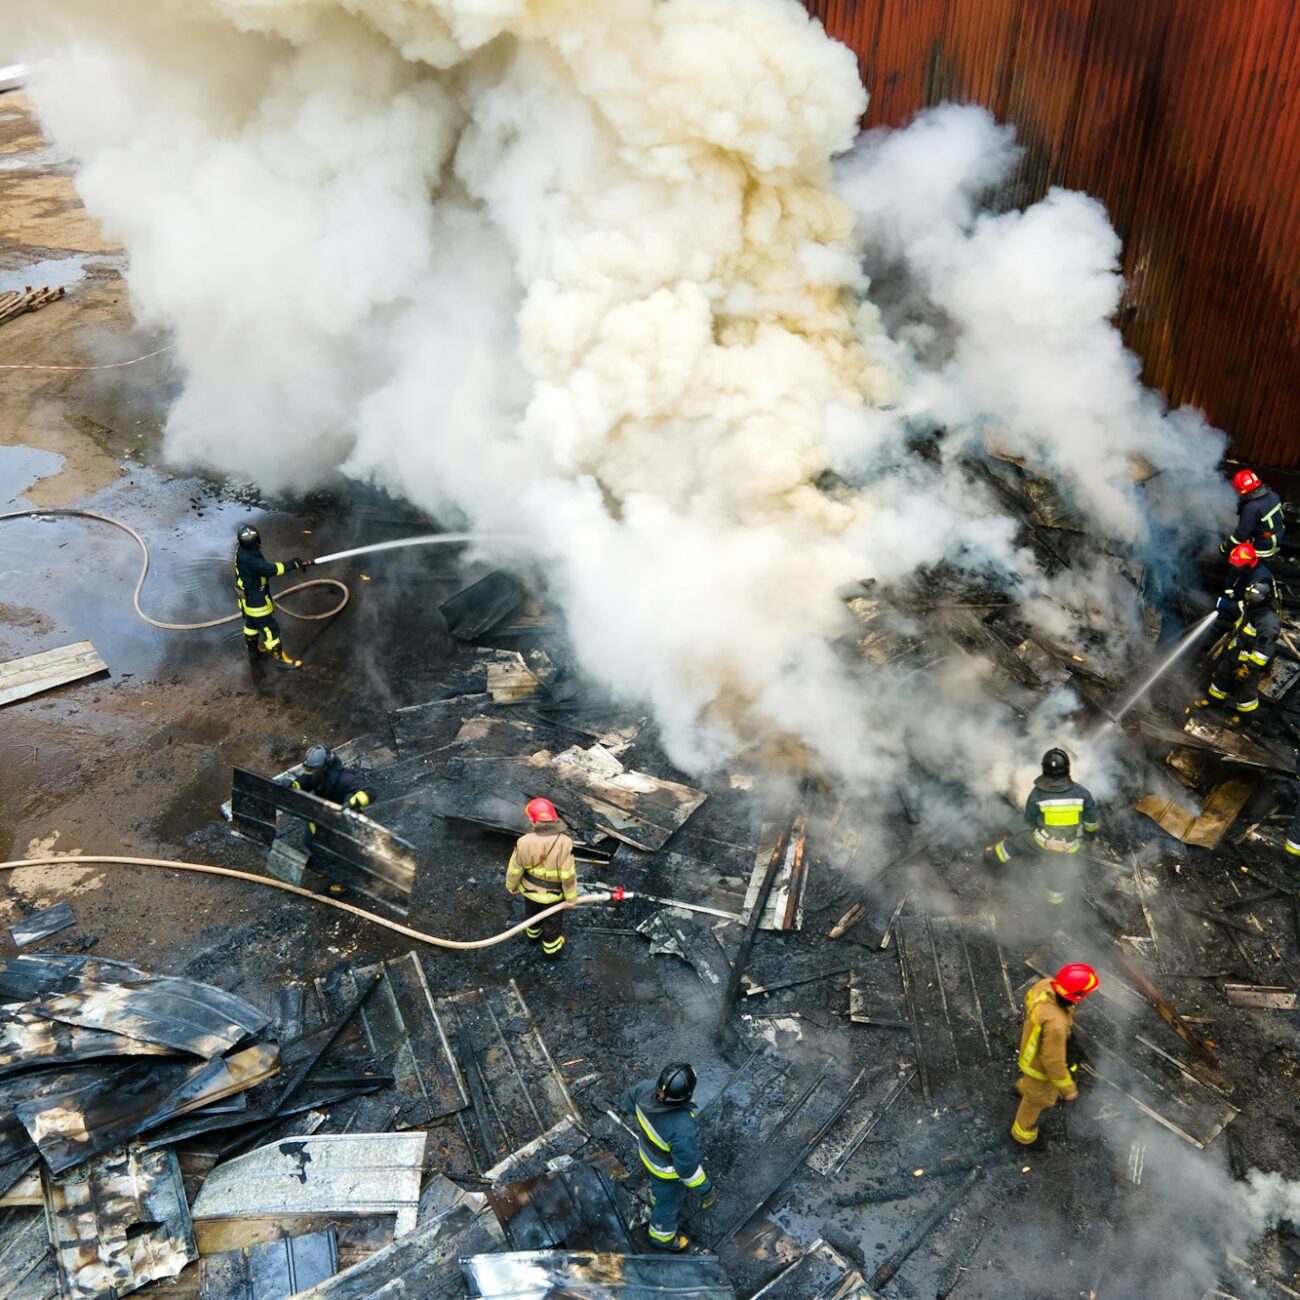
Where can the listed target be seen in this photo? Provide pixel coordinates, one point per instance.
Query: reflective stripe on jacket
(541, 867)
(1061, 812)
(1260, 522)
(1043, 1037)
(667, 1137)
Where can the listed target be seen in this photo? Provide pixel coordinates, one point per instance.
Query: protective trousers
(261, 633)
(550, 931)
(1036, 1096)
(1243, 690)
(668, 1194)
(1055, 870)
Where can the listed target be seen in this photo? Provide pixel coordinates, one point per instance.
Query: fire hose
(47, 513)
(202, 868)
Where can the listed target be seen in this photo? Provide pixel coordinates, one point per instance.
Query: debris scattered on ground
(41, 924)
(335, 1174)
(32, 674)
(17, 301)
(592, 1275)
(119, 1222)
(269, 1270)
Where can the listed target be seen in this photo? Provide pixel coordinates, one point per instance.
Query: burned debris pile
(849, 976)
(862, 973)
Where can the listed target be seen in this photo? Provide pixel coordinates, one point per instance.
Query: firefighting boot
(1036, 1147)
(678, 1244)
(282, 660)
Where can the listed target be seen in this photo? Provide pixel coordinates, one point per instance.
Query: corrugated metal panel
(978, 52)
(1184, 119)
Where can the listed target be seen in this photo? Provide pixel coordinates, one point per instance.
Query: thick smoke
(586, 274)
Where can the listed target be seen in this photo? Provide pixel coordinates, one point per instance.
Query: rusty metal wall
(1183, 117)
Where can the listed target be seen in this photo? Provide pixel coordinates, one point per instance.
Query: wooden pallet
(21, 678)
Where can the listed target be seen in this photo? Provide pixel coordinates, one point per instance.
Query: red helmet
(1243, 556)
(541, 810)
(1246, 480)
(1075, 981)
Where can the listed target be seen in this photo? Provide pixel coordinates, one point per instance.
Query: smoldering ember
(613, 684)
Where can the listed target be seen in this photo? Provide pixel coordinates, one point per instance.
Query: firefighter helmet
(249, 536)
(1243, 556)
(1246, 480)
(1075, 981)
(676, 1084)
(317, 757)
(1256, 594)
(1056, 762)
(541, 810)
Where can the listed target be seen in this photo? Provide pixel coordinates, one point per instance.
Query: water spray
(1189, 639)
(434, 539)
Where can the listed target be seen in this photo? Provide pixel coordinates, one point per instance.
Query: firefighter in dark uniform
(252, 573)
(1250, 649)
(1259, 516)
(324, 775)
(670, 1150)
(541, 869)
(1060, 814)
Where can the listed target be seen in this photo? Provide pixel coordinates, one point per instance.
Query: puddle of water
(52, 273)
(20, 467)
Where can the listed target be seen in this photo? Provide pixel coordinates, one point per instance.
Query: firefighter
(1255, 629)
(1046, 1077)
(541, 869)
(252, 571)
(1244, 567)
(670, 1150)
(324, 775)
(1059, 814)
(1259, 516)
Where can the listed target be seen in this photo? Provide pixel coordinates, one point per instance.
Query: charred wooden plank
(346, 846)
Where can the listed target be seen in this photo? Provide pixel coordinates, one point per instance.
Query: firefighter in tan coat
(1045, 1074)
(541, 869)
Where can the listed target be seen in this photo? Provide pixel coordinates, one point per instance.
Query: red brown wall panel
(1184, 119)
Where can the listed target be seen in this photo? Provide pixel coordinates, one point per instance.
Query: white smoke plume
(585, 273)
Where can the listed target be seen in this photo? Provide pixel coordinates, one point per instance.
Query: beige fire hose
(41, 513)
(205, 869)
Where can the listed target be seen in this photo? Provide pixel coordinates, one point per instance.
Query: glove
(709, 1199)
(1242, 673)
(296, 565)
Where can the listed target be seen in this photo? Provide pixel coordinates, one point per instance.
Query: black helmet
(1256, 594)
(249, 536)
(317, 757)
(1056, 762)
(676, 1084)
